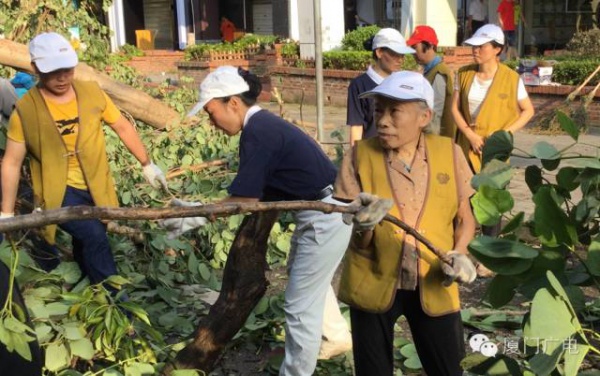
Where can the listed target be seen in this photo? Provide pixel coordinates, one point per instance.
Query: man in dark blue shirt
(389, 48)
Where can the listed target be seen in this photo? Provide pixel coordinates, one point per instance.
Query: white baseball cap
(485, 34)
(392, 39)
(404, 86)
(51, 51)
(224, 82)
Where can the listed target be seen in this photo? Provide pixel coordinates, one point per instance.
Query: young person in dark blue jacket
(278, 161)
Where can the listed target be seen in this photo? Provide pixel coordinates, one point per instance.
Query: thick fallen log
(139, 104)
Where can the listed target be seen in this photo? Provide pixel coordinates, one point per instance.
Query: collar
(251, 111)
(429, 66)
(374, 75)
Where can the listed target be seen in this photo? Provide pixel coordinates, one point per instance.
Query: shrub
(348, 60)
(354, 40)
(585, 43)
(574, 72)
(291, 49)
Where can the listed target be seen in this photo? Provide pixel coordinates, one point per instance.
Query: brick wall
(156, 61)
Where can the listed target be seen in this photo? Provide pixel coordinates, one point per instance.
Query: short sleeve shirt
(409, 187)
(507, 13)
(360, 110)
(278, 161)
(66, 118)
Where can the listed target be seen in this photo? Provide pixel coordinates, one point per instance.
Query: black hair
(497, 45)
(427, 46)
(368, 44)
(248, 97)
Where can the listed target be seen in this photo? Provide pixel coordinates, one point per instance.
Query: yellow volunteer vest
(448, 126)
(499, 109)
(47, 150)
(369, 276)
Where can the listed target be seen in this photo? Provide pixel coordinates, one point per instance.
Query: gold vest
(47, 151)
(370, 276)
(448, 126)
(498, 111)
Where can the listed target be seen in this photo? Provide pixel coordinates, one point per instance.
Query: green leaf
(550, 164)
(593, 257)
(15, 326)
(489, 204)
(587, 162)
(545, 150)
(574, 358)
(184, 372)
(498, 146)
(408, 351)
(533, 178)
(21, 345)
(552, 225)
(501, 290)
(543, 364)
(413, 363)
(137, 311)
(495, 174)
(82, 348)
(514, 224)
(502, 248)
(57, 357)
(568, 125)
(204, 271)
(500, 365)
(57, 309)
(549, 318)
(73, 331)
(507, 266)
(262, 306)
(567, 178)
(126, 197)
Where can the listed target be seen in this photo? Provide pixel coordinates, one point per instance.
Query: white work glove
(177, 226)
(462, 269)
(371, 210)
(155, 176)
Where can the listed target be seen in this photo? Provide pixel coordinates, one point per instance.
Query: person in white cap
(488, 97)
(389, 48)
(59, 125)
(386, 273)
(278, 161)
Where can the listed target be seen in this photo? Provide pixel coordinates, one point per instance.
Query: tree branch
(56, 216)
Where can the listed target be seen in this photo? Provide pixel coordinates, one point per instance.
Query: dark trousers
(91, 249)
(439, 340)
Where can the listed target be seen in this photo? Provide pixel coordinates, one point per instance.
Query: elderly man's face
(399, 123)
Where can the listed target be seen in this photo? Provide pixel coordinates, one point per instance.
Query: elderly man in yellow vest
(388, 274)
(424, 41)
(59, 125)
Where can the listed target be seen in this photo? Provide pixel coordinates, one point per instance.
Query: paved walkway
(335, 119)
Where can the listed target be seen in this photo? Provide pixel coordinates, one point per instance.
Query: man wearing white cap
(59, 125)
(389, 48)
(278, 161)
(388, 274)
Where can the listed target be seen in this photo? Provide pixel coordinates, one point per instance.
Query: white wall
(116, 23)
(293, 19)
(332, 26)
(439, 14)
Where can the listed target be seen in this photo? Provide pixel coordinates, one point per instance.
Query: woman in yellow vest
(59, 125)
(387, 274)
(488, 96)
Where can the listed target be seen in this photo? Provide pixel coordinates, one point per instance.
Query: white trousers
(318, 245)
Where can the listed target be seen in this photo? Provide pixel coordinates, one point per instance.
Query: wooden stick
(54, 216)
(590, 96)
(578, 89)
(178, 171)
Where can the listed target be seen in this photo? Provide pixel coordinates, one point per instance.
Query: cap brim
(477, 41)
(401, 49)
(377, 91)
(198, 107)
(47, 65)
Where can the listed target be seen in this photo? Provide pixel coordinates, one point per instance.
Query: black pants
(439, 340)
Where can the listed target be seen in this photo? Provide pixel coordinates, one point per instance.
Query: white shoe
(330, 349)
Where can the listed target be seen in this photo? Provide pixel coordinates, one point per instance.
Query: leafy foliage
(547, 258)
(585, 43)
(355, 40)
